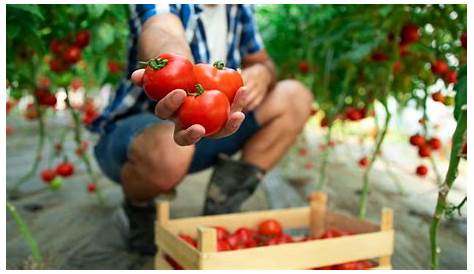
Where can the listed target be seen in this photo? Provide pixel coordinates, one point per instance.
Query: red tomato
(173, 263)
(397, 67)
(421, 170)
(234, 241)
(347, 266)
(208, 108)
(270, 228)
(464, 148)
(438, 97)
(72, 55)
(114, 67)
(82, 38)
(439, 67)
(218, 77)
(353, 114)
(410, 33)
(435, 143)
(463, 39)
(251, 243)
(56, 65)
(56, 46)
(329, 267)
(48, 175)
(91, 187)
(65, 169)
(303, 67)
(76, 84)
(221, 232)
(30, 112)
(167, 73)
(417, 140)
(364, 265)
(379, 57)
(334, 233)
(424, 151)
(403, 49)
(188, 239)
(9, 130)
(363, 162)
(245, 234)
(223, 245)
(451, 77)
(324, 122)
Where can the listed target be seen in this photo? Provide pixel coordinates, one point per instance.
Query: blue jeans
(112, 148)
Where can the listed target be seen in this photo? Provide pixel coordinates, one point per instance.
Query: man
(141, 148)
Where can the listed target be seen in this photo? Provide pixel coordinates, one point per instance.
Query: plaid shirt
(242, 39)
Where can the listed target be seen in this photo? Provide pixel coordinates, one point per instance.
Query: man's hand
(257, 80)
(166, 109)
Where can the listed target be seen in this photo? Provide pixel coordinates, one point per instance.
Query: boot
(141, 220)
(232, 182)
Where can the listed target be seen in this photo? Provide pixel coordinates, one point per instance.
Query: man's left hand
(257, 80)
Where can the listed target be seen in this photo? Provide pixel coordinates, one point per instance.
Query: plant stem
(451, 175)
(365, 186)
(39, 150)
(25, 232)
(325, 160)
(78, 139)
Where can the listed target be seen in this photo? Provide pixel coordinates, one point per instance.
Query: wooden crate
(370, 241)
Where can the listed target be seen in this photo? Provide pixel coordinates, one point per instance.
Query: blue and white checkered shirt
(243, 39)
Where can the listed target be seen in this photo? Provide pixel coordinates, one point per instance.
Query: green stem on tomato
(25, 232)
(373, 158)
(78, 139)
(457, 143)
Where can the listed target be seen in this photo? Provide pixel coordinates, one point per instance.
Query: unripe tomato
(167, 73)
(438, 97)
(65, 169)
(56, 183)
(218, 77)
(209, 109)
(421, 170)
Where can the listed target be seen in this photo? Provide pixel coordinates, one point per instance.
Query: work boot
(141, 220)
(232, 182)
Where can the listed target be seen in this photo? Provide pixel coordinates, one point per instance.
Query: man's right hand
(167, 107)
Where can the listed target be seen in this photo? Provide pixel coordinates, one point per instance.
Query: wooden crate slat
(289, 218)
(304, 255)
(180, 251)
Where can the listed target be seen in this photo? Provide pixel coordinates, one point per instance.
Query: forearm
(156, 39)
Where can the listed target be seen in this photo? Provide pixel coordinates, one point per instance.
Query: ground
(74, 232)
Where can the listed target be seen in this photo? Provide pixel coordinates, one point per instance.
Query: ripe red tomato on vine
(65, 169)
(421, 170)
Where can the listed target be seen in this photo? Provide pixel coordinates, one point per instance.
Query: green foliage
(337, 41)
(31, 28)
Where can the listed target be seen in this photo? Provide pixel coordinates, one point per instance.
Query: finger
(137, 77)
(232, 125)
(166, 107)
(189, 136)
(255, 103)
(240, 100)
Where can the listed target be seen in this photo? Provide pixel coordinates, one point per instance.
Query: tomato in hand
(209, 109)
(270, 228)
(166, 73)
(218, 77)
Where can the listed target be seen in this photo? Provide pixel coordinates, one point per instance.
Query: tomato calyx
(219, 65)
(156, 63)
(199, 91)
